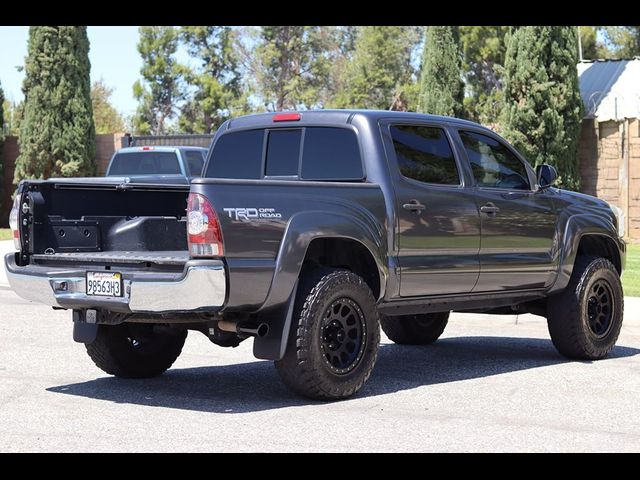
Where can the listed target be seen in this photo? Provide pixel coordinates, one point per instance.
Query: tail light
(13, 222)
(205, 237)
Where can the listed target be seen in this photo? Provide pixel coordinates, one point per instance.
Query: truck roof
(340, 116)
(159, 148)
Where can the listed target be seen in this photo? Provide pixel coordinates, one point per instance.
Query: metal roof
(610, 89)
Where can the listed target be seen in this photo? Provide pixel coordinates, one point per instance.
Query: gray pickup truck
(308, 231)
(163, 164)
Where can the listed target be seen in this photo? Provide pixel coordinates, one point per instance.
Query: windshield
(145, 163)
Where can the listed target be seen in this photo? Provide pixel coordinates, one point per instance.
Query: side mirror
(547, 175)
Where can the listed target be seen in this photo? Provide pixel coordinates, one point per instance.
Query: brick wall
(634, 179)
(9, 155)
(105, 146)
(610, 166)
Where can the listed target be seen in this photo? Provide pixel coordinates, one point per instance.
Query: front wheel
(334, 336)
(135, 350)
(585, 319)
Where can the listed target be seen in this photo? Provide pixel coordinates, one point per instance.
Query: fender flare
(577, 227)
(302, 229)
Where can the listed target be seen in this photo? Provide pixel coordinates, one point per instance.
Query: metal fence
(169, 140)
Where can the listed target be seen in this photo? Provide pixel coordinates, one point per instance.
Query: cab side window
(494, 165)
(424, 154)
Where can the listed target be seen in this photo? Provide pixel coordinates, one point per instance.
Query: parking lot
(492, 383)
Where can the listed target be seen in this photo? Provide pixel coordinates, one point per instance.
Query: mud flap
(274, 344)
(83, 332)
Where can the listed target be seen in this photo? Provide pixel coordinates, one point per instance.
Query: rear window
(283, 152)
(145, 163)
(195, 161)
(237, 155)
(318, 153)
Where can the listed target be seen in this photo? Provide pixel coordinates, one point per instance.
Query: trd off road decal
(248, 214)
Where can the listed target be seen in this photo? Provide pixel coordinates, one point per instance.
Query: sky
(112, 53)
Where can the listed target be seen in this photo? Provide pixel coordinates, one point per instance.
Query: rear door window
(424, 154)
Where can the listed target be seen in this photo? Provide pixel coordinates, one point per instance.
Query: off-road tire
(307, 367)
(420, 329)
(571, 323)
(135, 350)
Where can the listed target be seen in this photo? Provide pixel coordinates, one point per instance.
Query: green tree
(13, 114)
(105, 117)
(589, 42)
(2, 133)
(484, 49)
(292, 66)
(441, 85)
(216, 81)
(543, 108)
(160, 89)
(3, 103)
(623, 42)
(342, 41)
(380, 73)
(57, 134)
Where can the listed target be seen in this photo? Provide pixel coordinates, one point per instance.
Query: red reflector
(146, 148)
(16, 234)
(286, 117)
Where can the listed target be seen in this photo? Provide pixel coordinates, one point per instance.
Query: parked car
(158, 163)
(308, 231)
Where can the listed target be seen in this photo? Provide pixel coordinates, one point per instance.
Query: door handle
(489, 209)
(414, 206)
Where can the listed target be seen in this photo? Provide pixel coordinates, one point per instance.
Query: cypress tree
(441, 85)
(57, 134)
(543, 108)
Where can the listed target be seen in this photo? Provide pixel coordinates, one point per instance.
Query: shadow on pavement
(255, 386)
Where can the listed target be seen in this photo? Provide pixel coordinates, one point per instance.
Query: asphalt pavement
(6, 246)
(492, 383)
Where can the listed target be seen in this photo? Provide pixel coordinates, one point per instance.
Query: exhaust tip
(262, 330)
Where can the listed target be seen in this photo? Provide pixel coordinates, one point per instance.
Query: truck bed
(76, 222)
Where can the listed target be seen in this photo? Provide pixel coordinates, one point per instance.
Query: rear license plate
(104, 284)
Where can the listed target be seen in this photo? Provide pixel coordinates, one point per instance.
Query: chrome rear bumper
(201, 286)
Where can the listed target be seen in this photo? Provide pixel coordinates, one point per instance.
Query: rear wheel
(135, 350)
(415, 329)
(585, 319)
(334, 339)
